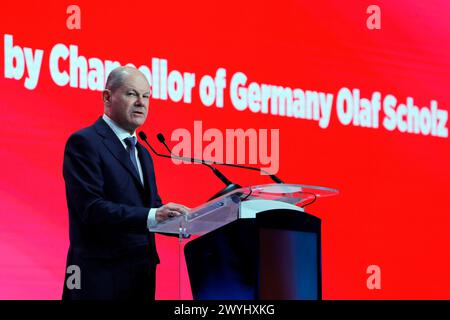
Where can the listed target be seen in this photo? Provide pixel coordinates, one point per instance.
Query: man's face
(128, 104)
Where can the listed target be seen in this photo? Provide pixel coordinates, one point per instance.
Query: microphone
(143, 136)
(161, 139)
(230, 186)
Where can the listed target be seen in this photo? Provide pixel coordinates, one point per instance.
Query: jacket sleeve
(82, 171)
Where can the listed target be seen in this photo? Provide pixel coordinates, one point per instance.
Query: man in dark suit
(112, 198)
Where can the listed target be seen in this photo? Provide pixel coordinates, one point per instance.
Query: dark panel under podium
(276, 256)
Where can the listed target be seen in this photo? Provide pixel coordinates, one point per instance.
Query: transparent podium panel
(297, 194)
(205, 218)
(225, 209)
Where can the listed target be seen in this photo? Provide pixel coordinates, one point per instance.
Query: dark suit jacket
(108, 211)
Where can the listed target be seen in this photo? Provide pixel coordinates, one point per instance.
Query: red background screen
(393, 206)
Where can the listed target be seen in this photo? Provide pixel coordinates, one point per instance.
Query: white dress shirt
(122, 135)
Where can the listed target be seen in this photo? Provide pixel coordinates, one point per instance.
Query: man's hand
(171, 210)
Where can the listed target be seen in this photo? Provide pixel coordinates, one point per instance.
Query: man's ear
(107, 96)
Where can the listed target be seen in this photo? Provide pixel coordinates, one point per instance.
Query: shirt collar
(120, 132)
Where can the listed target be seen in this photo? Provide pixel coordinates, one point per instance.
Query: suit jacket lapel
(113, 144)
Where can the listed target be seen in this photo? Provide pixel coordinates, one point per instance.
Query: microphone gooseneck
(274, 178)
(230, 186)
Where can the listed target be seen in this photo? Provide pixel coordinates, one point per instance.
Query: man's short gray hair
(115, 78)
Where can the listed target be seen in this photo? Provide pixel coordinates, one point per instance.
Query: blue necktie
(131, 144)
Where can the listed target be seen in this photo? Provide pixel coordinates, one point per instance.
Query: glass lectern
(253, 243)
